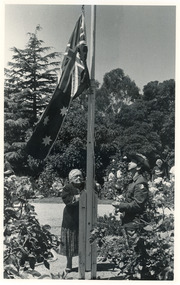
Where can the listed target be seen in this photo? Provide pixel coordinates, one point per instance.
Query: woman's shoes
(68, 270)
(65, 272)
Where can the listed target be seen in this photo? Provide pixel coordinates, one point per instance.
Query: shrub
(26, 242)
(146, 253)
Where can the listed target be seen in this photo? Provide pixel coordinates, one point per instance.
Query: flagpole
(90, 168)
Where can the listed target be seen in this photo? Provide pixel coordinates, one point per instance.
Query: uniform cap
(140, 159)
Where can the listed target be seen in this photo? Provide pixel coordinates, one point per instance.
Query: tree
(29, 84)
(121, 89)
(160, 99)
(150, 90)
(33, 71)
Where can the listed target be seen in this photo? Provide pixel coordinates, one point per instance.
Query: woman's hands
(76, 198)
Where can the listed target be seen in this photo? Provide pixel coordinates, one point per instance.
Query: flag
(73, 81)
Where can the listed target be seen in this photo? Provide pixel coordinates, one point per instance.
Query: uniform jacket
(136, 197)
(71, 210)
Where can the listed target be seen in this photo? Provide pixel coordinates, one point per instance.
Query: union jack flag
(74, 79)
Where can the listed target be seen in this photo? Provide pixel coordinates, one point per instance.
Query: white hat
(74, 172)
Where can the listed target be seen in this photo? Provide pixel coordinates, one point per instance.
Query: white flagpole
(90, 168)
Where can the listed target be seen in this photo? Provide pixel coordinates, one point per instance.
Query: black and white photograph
(89, 112)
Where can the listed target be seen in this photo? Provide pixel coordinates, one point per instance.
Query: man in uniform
(133, 204)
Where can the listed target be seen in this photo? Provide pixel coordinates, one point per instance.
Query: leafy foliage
(120, 88)
(146, 253)
(26, 242)
(125, 120)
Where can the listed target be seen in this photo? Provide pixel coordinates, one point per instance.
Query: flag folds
(73, 81)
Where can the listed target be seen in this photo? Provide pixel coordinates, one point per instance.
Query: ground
(105, 270)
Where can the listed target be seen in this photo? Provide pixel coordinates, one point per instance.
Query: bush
(118, 184)
(146, 253)
(26, 242)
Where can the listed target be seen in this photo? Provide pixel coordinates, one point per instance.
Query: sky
(140, 39)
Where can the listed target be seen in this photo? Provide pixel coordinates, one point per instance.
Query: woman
(158, 170)
(70, 222)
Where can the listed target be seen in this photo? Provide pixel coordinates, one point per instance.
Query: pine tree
(30, 80)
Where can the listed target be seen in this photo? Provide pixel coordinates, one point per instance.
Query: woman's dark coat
(71, 210)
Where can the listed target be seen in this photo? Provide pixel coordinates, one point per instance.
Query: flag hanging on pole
(73, 81)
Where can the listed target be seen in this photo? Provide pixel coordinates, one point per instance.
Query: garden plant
(146, 253)
(26, 242)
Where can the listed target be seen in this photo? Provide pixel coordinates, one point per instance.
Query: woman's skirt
(69, 242)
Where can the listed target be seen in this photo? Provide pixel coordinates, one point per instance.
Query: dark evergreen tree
(30, 80)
